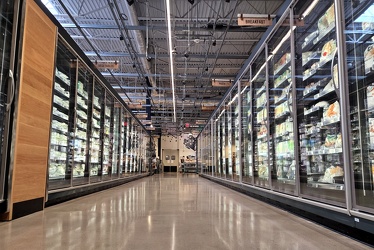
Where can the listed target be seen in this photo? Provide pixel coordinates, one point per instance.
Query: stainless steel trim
(211, 146)
(240, 131)
(51, 119)
(270, 155)
(362, 215)
(252, 142)
(344, 99)
(300, 199)
(75, 121)
(89, 141)
(294, 107)
(94, 184)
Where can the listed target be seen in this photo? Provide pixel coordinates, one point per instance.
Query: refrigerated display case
(62, 126)
(247, 131)
(235, 149)
(125, 142)
(81, 122)
(136, 149)
(229, 137)
(97, 122)
(224, 154)
(8, 15)
(127, 146)
(261, 133)
(321, 163)
(107, 137)
(116, 139)
(360, 50)
(219, 145)
(281, 109)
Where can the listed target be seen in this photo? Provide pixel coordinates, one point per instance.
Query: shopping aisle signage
(217, 83)
(254, 21)
(106, 64)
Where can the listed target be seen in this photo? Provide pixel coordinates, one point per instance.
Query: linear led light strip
(171, 58)
(310, 8)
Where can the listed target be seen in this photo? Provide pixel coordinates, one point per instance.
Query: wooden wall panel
(33, 119)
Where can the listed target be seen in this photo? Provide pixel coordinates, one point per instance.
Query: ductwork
(140, 42)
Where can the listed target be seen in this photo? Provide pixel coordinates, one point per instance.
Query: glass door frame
(6, 171)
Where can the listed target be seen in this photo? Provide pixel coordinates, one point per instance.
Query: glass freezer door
(360, 59)
(321, 164)
(235, 134)
(229, 135)
(262, 151)
(61, 139)
(125, 146)
(246, 126)
(96, 127)
(80, 168)
(116, 139)
(282, 115)
(107, 138)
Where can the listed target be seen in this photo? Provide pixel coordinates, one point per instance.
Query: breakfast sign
(244, 20)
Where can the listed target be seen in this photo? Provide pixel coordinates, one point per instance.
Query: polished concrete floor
(168, 211)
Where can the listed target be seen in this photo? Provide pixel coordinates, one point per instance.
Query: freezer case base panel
(343, 223)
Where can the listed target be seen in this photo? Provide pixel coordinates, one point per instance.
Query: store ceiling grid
(206, 37)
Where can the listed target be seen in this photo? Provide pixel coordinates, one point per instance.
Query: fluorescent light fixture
(310, 8)
(171, 57)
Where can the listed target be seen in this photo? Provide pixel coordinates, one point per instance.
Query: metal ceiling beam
(190, 76)
(241, 41)
(210, 56)
(233, 28)
(219, 89)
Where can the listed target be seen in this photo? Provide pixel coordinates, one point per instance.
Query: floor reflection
(167, 211)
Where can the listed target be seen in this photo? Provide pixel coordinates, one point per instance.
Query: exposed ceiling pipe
(139, 41)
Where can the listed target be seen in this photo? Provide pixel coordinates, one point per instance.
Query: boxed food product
(332, 112)
(262, 171)
(327, 21)
(370, 97)
(330, 173)
(328, 51)
(369, 58)
(330, 141)
(371, 132)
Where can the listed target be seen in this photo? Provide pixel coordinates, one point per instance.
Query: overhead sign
(141, 116)
(146, 122)
(220, 83)
(250, 21)
(208, 108)
(102, 64)
(201, 122)
(133, 105)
